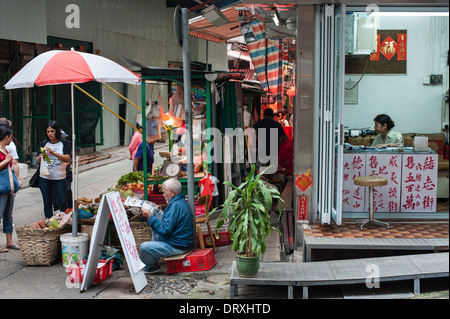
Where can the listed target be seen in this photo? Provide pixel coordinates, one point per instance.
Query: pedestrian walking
(6, 200)
(136, 140)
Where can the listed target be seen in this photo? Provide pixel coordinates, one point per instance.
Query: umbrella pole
(74, 187)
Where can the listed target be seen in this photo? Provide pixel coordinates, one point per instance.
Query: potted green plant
(247, 209)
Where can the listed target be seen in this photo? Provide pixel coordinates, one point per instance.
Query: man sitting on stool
(173, 230)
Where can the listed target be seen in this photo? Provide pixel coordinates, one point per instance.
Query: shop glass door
(330, 122)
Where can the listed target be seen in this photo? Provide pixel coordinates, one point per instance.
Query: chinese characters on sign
(302, 207)
(304, 181)
(419, 181)
(412, 182)
(388, 47)
(386, 198)
(353, 195)
(124, 231)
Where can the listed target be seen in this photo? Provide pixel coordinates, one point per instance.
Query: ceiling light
(247, 33)
(213, 15)
(410, 14)
(275, 17)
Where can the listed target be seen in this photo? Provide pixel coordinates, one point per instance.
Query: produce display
(138, 178)
(55, 222)
(129, 185)
(87, 205)
(123, 191)
(132, 177)
(132, 184)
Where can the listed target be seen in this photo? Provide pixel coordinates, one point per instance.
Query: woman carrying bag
(59, 153)
(9, 185)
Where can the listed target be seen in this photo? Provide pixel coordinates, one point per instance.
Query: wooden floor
(342, 272)
(403, 230)
(442, 205)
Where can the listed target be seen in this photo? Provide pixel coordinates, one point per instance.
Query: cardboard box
(420, 143)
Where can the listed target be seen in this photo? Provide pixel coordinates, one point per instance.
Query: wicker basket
(39, 247)
(141, 232)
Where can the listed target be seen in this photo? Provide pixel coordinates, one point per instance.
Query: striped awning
(266, 58)
(201, 28)
(249, 73)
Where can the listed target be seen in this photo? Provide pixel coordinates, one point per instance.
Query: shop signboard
(412, 182)
(111, 205)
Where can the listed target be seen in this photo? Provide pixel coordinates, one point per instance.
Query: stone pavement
(18, 281)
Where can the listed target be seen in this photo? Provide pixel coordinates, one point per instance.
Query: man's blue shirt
(177, 225)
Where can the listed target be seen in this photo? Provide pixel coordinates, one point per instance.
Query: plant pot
(247, 266)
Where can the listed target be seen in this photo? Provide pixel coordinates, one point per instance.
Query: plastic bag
(43, 170)
(108, 252)
(208, 186)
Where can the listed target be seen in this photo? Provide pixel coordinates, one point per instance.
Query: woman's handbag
(34, 180)
(8, 182)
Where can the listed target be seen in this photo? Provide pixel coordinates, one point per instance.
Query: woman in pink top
(135, 141)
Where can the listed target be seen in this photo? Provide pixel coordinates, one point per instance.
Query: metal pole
(188, 108)
(74, 185)
(215, 143)
(144, 140)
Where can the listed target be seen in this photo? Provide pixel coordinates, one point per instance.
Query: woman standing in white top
(59, 152)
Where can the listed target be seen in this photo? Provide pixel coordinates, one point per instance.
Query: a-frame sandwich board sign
(111, 204)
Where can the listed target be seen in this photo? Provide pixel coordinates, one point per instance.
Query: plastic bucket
(74, 249)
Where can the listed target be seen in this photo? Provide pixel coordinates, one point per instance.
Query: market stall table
(183, 180)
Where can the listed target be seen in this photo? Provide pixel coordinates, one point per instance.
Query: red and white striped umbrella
(69, 67)
(62, 67)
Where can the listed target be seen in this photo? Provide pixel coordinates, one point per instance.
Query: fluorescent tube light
(410, 14)
(275, 17)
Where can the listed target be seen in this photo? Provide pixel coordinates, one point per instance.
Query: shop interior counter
(412, 179)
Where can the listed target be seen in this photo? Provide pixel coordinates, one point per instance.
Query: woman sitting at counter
(386, 136)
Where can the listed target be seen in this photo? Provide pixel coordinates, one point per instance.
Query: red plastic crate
(102, 273)
(198, 260)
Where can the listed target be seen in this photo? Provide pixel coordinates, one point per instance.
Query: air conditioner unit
(360, 34)
(214, 15)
